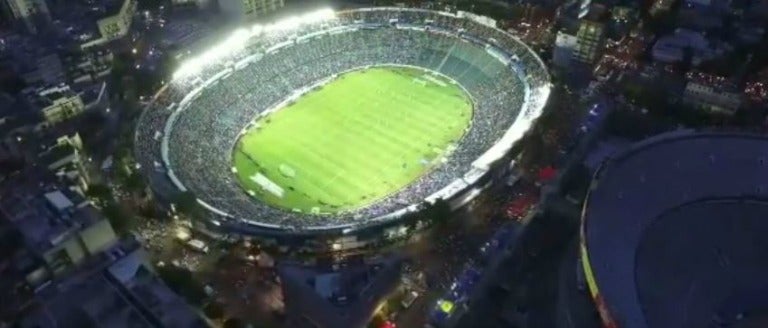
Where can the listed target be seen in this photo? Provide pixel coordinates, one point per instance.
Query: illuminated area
(238, 40)
(445, 306)
(353, 141)
(187, 138)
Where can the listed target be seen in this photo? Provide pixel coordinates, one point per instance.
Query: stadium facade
(186, 135)
(673, 233)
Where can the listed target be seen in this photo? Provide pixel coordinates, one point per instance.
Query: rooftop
(43, 97)
(125, 293)
(43, 212)
(684, 211)
(345, 297)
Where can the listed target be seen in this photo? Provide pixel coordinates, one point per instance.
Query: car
(198, 245)
(409, 299)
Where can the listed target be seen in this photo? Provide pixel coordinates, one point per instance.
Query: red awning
(547, 173)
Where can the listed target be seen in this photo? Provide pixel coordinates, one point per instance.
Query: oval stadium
(672, 233)
(332, 121)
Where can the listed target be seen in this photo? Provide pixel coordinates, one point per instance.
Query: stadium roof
(674, 232)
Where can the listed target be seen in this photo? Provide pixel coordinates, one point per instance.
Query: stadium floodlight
(239, 39)
(234, 42)
(285, 24)
(318, 16)
(256, 30)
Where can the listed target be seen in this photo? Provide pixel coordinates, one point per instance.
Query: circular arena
(340, 120)
(673, 233)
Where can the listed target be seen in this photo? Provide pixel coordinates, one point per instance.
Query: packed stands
(186, 136)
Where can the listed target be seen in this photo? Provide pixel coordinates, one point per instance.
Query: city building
(590, 42)
(120, 290)
(114, 23)
(623, 20)
(87, 67)
(249, 9)
(28, 12)
(64, 266)
(676, 47)
(722, 99)
(565, 44)
(660, 7)
(54, 104)
(59, 227)
(65, 160)
(46, 69)
(34, 60)
(337, 295)
(673, 233)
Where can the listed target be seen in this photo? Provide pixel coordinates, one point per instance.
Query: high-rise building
(248, 9)
(721, 99)
(563, 51)
(590, 41)
(54, 104)
(26, 11)
(63, 265)
(115, 22)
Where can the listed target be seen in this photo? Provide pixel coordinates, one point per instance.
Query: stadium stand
(186, 136)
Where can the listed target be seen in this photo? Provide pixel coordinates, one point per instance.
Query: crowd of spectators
(200, 132)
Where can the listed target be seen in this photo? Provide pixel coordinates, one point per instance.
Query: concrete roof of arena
(675, 231)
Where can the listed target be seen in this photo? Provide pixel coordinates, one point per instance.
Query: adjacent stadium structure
(673, 233)
(187, 137)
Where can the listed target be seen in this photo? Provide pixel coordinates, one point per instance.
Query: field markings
(357, 139)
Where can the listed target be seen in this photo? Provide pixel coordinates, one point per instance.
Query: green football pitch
(358, 139)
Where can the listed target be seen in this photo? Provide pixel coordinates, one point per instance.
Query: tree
(150, 4)
(214, 310)
(121, 222)
(100, 191)
(181, 281)
(234, 323)
(439, 212)
(134, 182)
(186, 204)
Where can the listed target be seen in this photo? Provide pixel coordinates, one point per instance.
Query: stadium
(673, 233)
(337, 121)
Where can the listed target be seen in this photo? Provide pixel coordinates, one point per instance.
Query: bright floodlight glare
(239, 39)
(318, 16)
(256, 30)
(285, 24)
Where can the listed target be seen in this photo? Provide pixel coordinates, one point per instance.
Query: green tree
(134, 182)
(234, 323)
(186, 204)
(214, 310)
(181, 281)
(100, 191)
(150, 4)
(439, 212)
(121, 222)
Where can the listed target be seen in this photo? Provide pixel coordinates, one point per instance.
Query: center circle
(352, 140)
